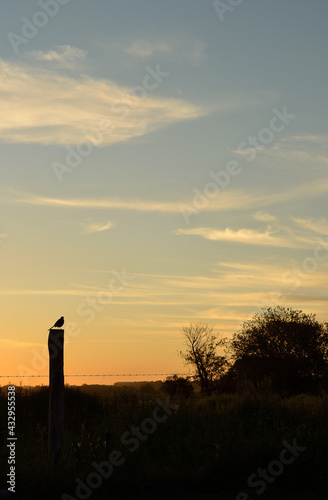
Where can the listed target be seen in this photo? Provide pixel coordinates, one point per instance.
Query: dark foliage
(206, 449)
(176, 386)
(285, 345)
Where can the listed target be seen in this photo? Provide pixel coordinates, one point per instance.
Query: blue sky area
(162, 163)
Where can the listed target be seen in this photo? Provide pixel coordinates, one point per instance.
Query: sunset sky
(163, 162)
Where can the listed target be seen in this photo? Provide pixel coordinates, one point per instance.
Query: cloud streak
(246, 236)
(294, 150)
(64, 56)
(194, 52)
(97, 228)
(264, 217)
(227, 200)
(319, 226)
(45, 107)
(143, 48)
(231, 200)
(294, 233)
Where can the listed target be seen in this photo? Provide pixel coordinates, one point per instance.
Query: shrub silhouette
(283, 344)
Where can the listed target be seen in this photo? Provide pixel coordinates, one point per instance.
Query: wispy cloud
(239, 289)
(97, 228)
(306, 140)
(294, 150)
(143, 48)
(264, 217)
(115, 203)
(229, 200)
(288, 233)
(317, 187)
(46, 107)
(192, 51)
(64, 56)
(37, 292)
(246, 236)
(318, 226)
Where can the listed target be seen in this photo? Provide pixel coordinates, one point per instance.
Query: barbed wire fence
(101, 375)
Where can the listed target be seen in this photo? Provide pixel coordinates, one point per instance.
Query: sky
(163, 163)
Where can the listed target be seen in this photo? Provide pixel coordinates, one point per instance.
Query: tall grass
(206, 449)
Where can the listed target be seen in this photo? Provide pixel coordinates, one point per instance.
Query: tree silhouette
(287, 345)
(201, 352)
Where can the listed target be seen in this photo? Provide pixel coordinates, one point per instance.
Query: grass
(207, 449)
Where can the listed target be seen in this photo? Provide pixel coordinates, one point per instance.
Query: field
(205, 448)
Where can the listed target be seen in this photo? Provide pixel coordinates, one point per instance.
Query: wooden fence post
(56, 392)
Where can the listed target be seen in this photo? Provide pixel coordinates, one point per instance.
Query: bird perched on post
(59, 323)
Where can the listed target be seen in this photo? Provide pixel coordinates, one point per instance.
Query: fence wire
(101, 375)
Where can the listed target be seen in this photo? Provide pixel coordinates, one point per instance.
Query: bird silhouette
(59, 323)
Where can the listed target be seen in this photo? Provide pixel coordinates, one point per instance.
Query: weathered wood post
(56, 392)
